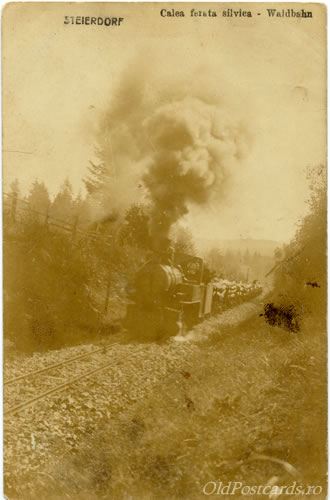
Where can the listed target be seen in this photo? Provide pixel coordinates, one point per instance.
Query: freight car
(173, 292)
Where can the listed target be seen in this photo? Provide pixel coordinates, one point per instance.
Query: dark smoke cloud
(195, 146)
(177, 138)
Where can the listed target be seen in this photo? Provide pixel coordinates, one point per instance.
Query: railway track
(57, 365)
(66, 373)
(62, 372)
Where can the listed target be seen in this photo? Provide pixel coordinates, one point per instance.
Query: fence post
(46, 217)
(13, 207)
(74, 227)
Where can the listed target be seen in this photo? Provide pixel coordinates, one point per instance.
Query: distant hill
(264, 247)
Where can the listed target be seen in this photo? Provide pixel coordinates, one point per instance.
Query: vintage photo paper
(164, 250)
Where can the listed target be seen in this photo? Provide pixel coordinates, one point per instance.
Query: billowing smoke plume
(194, 148)
(172, 146)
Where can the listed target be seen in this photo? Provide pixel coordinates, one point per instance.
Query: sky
(268, 74)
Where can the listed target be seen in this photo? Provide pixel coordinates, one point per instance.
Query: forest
(66, 270)
(65, 273)
(250, 382)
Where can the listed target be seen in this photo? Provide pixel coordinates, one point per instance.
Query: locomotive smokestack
(161, 244)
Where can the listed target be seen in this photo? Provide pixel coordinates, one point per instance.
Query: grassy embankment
(253, 393)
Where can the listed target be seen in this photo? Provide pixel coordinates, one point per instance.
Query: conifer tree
(38, 197)
(63, 205)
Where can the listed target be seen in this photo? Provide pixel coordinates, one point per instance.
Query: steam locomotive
(173, 291)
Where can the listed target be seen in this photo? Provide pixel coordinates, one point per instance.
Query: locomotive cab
(196, 291)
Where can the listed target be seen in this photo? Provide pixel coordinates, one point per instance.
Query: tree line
(300, 272)
(239, 265)
(66, 284)
(66, 271)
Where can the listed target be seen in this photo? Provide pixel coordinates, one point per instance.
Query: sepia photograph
(164, 196)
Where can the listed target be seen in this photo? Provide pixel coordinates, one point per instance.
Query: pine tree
(38, 197)
(101, 172)
(97, 177)
(82, 209)
(135, 230)
(10, 202)
(63, 205)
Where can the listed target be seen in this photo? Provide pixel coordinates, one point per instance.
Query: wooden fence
(13, 206)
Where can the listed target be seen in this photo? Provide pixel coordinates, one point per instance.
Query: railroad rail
(57, 365)
(60, 387)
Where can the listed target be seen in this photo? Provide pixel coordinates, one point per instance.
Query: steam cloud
(194, 148)
(173, 147)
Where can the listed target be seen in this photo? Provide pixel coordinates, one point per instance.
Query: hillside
(264, 247)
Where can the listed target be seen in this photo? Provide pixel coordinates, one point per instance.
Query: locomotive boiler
(171, 293)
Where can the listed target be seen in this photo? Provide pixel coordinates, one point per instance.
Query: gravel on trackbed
(53, 426)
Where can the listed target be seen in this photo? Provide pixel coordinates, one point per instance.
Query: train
(172, 292)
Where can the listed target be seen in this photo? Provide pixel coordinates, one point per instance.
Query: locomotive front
(152, 313)
(171, 293)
